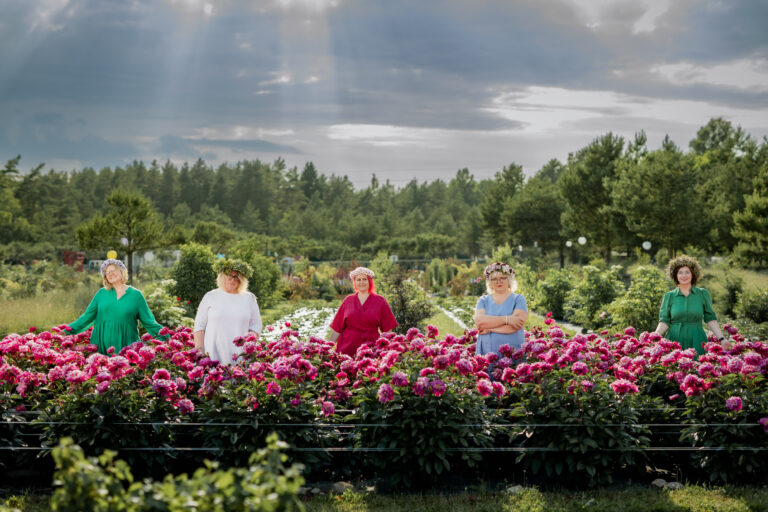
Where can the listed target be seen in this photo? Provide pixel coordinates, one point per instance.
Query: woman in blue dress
(500, 314)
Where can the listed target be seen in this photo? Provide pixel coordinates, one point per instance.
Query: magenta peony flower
(484, 387)
(733, 403)
(102, 387)
(764, 423)
(587, 385)
(498, 389)
(186, 406)
(161, 373)
(438, 387)
(328, 409)
(385, 393)
(622, 386)
(399, 379)
(580, 368)
(273, 388)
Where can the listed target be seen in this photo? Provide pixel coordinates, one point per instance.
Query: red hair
(371, 286)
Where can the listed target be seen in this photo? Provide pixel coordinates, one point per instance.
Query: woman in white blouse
(227, 313)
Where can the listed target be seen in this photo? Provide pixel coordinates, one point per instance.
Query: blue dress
(491, 342)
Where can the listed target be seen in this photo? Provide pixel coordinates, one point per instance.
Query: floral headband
(225, 266)
(498, 267)
(119, 264)
(361, 270)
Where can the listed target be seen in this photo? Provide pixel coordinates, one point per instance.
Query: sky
(402, 89)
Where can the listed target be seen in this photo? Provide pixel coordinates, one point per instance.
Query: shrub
(639, 307)
(753, 305)
(586, 302)
(553, 290)
(167, 309)
(595, 432)
(265, 281)
(727, 301)
(434, 424)
(725, 431)
(194, 275)
(89, 483)
(409, 303)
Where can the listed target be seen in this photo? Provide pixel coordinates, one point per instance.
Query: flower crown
(498, 267)
(361, 270)
(225, 266)
(119, 264)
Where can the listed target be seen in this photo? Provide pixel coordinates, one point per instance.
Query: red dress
(357, 323)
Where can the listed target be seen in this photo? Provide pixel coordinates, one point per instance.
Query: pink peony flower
(622, 386)
(438, 387)
(733, 403)
(399, 379)
(580, 368)
(161, 373)
(186, 406)
(385, 393)
(764, 423)
(328, 409)
(484, 387)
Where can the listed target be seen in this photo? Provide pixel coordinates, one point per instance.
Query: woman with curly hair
(500, 314)
(227, 313)
(685, 308)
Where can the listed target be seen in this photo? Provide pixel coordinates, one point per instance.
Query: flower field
(584, 409)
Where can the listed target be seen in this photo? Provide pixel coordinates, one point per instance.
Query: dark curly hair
(675, 264)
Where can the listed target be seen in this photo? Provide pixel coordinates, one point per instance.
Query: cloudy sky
(400, 88)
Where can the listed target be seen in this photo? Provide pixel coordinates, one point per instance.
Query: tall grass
(45, 310)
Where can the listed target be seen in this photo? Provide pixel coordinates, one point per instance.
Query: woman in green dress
(685, 308)
(115, 311)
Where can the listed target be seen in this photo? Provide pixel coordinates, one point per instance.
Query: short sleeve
(521, 304)
(481, 304)
(664, 315)
(387, 319)
(709, 312)
(201, 318)
(337, 324)
(255, 321)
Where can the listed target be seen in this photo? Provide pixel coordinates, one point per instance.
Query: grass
(43, 311)
(691, 498)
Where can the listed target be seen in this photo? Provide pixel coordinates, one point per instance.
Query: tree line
(615, 193)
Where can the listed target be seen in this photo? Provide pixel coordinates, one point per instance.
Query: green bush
(553, 290)
(715, 427)
(726, 301)
(194, 275)
(166, 308)
(753, 305)
(422, 429)
(639, 307)
(265, 282)
(409, 303)
(597, 288)
(593, 434)
(87, 483)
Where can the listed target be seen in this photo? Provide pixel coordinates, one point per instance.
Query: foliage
(194, 275)
(17, 281)
(103, 483)
(408, 301)
(551, 293)
(131, 225)
(639, 306)
(435, 422)
(586, 302)
(753, 305)
(726, 301)
(750, 227)
(164, 305)
(594, 431)
(264, 283)
(727, 432)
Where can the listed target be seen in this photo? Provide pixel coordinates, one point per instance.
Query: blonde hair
(242, 287)
(123, 273)
(512, 282)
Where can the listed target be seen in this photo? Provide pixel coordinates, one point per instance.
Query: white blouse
(226, 316)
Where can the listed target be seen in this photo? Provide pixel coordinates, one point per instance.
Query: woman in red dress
(361, 316)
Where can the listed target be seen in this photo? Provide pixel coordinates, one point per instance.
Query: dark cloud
(187, 147)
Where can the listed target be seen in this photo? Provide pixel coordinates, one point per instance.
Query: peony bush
(414, 406)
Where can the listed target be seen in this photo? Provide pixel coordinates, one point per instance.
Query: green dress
(684, 316)
(115, 320)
